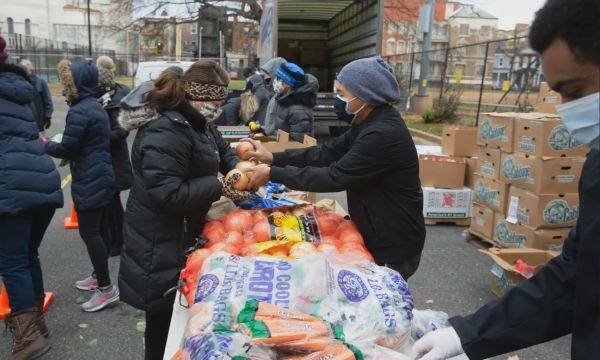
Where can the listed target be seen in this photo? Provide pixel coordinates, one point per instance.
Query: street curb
(425, 135)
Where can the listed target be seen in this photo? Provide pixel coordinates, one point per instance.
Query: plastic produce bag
(362, 298)
(425, 321)
(222, 345)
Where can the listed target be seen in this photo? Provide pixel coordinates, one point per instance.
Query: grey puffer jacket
(293, 112)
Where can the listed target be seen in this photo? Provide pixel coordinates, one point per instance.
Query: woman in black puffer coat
(29, 194)
(176, 157)
(86, 144)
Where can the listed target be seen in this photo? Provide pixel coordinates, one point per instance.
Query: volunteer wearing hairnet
(375, 162)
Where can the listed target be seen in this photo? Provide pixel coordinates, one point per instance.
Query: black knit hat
(206, 80)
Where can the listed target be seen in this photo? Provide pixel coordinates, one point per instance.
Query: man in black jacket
(42, 100)
(564, 297)
(375, 162)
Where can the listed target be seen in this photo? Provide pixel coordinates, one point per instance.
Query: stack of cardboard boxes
(446, 191)
(527, 177)
(525, 193)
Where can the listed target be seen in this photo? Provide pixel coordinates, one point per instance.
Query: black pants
(157, 331)
(116, 225)
(407, 267)
(20, 238)
(94, 230)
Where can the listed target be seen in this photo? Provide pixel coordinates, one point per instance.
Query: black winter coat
(28, 177)
(119, 151)
(175, 165)
(45, 101)
(86, 141)
(293, 113)
(563, 298)
(376, 163)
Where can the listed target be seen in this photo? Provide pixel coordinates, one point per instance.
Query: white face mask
(277, 86)
(582, 118)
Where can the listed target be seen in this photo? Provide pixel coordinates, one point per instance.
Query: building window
(390, 47)
(482, 50)
(10, 25)
(27, 27)
(501, 62)
(194, 29)
(400, 47)
(463, 30)
(485, 31)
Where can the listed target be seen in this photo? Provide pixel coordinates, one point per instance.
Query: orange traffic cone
(5, 308)
(71, 222)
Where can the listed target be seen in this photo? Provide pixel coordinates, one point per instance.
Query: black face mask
(339, 106)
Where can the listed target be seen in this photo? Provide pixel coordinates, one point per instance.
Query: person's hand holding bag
(438, 345)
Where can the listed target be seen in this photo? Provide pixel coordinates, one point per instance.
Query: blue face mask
(349, 113)
(582, 119)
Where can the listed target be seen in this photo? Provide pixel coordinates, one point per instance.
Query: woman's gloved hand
(438, 345)
(229, 192)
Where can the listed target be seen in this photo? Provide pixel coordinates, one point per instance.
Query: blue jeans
(20, 238)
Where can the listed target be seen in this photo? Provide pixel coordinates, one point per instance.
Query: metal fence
(494, 75)
(45, 54)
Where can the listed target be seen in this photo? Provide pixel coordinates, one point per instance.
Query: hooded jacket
(118, 137)
(376, 163)
(176, 158)
(86, 139)
(28, 177)
(293, 112)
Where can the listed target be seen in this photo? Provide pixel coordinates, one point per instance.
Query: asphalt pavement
(453, 277)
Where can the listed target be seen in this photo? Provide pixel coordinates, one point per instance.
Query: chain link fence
(496, 75)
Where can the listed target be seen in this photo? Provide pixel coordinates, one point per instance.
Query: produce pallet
(479, 240)
(446, 221)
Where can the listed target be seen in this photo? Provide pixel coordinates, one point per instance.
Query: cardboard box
(283, 142)
(545, 135)
(482, 221)
(442, 171)
(489, 162)
(542, 175)
(446, 203)
(543, 211)
(459, 140)
(491, 193)
(496, 131)
(548, 99)
(470, 171)
(516, 235)
(504, 273)
(429, 150)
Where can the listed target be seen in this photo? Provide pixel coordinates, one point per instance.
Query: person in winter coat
(29, 194)
(230, 112)
(86, 144)
(375, 162)
(291, 109)
(43, 100)
(262, 87)
(564, 296)
(113, 93)
(176, 158)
